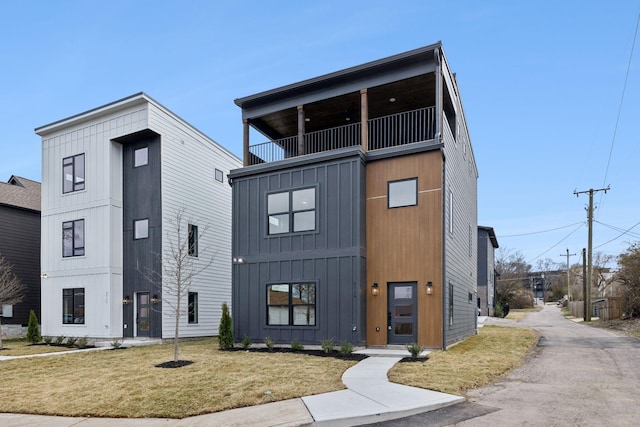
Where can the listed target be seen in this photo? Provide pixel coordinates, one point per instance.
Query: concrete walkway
(369, 397)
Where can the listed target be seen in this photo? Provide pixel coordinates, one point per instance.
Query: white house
(113, 180)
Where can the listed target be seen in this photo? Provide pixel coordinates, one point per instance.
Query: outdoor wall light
(44, 276)
(126, 300)
(155, 299)
(429, 286)
(238, 260)
(375, 290)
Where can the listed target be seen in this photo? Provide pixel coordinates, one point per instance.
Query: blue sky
(541, 83)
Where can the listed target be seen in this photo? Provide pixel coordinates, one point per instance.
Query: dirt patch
(317, 353)
(630, 327)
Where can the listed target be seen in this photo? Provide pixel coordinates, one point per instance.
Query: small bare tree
(11, 288)
(182, 261)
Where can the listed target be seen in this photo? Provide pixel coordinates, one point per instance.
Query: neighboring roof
(20, 192)
(492, 235)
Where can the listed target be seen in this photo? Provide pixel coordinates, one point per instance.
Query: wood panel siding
(405, 244)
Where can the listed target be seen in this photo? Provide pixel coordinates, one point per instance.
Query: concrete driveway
(577, 376)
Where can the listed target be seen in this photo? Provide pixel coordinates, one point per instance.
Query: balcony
(384, 132)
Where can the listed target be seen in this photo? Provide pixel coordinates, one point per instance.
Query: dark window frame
(73, 163)
(389, 184)
(291, 212)
(76, 248)
(76, 296)
(218, 175)
(192, 308)
(291, 304)
(192, 249)
(135, 230)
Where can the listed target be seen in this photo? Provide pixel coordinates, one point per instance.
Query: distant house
(20, 246)
(487, 244)
(356, 219)
(113, 180)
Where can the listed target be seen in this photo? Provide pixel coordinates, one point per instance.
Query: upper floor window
(73, 306)
(193, 240)
(403, 193)
(219, 175)
(141, 157)
(291, 304)
(73, 173)
(73, 238)
(292, 211)
(141, 229)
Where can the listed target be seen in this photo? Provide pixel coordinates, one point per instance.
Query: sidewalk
(369, 398)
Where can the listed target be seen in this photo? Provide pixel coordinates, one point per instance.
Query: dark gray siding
(20, 245)
(141, 199)
(332, 256)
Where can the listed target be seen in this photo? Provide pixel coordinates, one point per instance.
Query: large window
(450, 304)
(192, 313)
(291, 304)
(193, 240)
(73, 238)
(292, 211)
(73, 306)
(73, 173)
(403, 193)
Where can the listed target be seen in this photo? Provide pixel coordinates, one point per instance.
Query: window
(73, 306)
(193, 240)
(403, 193)
(219, 175)
(292, 211)
(193, 307)
(7, 310)
(73, 238)
(73, 173)
(291, 304)
(450, 304)
(450, 212)
(141, 157)
(141, 229)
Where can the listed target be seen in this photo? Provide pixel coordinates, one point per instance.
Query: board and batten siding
(189, 161)
(99, 271)
(460, 238)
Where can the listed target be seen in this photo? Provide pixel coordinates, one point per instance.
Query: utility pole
(584, 286)
(587, 298)
(568, 277)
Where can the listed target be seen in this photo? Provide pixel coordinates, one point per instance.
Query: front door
(143, 315)
(401, 314)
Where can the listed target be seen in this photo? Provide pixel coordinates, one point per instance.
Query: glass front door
(401, 313)
(143, 315)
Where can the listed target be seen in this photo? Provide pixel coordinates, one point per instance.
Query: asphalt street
(576, 376)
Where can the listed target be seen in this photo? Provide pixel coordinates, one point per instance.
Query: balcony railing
(384, 132)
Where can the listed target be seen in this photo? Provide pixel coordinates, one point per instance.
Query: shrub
(60, 339)
(498, 310)
(246, 341)
(71, 341)
(116, 343)
(225, 330)
(327, 346)
(33, 330)
(415, 349)
(346, 348)
(82, 342)
(47, 340)
(296, 345)
(269, 343)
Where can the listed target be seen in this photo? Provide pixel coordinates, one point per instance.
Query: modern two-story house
(20, 247)
(487, 245)
(356, 219)
(123, 184)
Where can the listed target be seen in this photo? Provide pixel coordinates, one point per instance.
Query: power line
(540, 232)
(620, 235)
(622, 230)
(624, 89)
(562, 240)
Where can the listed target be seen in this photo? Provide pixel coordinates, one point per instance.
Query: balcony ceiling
(404, 95)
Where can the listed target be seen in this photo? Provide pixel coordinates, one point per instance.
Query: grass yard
(22, 347)
(473, 363)
(126, 383)
(517, 314)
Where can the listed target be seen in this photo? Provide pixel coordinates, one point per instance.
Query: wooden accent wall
(405, 244)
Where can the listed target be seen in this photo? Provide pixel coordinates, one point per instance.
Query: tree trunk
(177, 331)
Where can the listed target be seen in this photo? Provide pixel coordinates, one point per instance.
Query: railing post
(301, 150)
(245, 141)
(364, 119)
